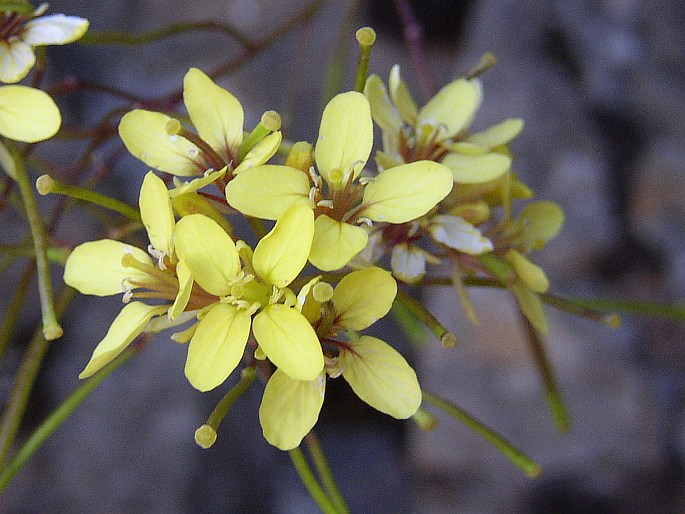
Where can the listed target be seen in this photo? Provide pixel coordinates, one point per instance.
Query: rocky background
(600, 86)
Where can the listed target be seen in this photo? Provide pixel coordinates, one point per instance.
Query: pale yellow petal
(531, 274)
(55, 29)
(125, 328)
(290, 409)
(402, 97)
(459, 234)
(287, 338)
(542, 221)
(27, 114)
(262, 152)
(216, 113)
(335, 243)
(209, 253)
(156, 212)
(217, 346)
(345, 138)
(185, 288)
(282, 253)
(145, 135)
(497, 135)
(268, 191)
(95, 267)
(406, 192)
(474, 169)
(183, 188)
(16, 60)
(531, 306)
(452, 109)
(193, 203)
(383, 111)
(381, 377)
(363, 297)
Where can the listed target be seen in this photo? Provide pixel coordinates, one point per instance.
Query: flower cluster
(293, 305)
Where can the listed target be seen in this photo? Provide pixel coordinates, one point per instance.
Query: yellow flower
(20, 33)
(377, 373)
(27, 114)
(439, 130)
(282, 332)
(339, 201)
(108, 267)
(162, 143)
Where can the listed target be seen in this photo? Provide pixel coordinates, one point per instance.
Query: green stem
(59, 415)
(531, 468)
(416, 309)
(26, 376)
(310, 482)
(123, 38)
(657, 310)
(55, 254)
(13, 308)
(46, 185)
(325, 473)
(555, 400)
(51, 328)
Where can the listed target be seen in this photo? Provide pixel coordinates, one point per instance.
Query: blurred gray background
(600, 86)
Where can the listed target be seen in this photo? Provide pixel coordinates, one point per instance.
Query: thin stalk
(58, 416)
(46, 185)
(324, 471)
(366, 37)
(310, 482)
(13, 308)
(123, 38)
(531, 468)
(416, 308)
(555, 400)
(51, 328)
(26, 376)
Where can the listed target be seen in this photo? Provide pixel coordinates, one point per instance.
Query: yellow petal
(156, 212)
(531, 274)
(335, 243)
(16, 60)
(144, 134)
(402, 97)
(290, 409)
(542, 221)
(531, 306)
(381, 377)
(217, 346)
(452, 109)
(193, 203)
(345, 138)
(185, 287)
(497, 135)
(282, 253)
(268, 191)
(287, 338)
(27, 114)
(55, 29)
(183, 188)
(474, 169)
(209, 253)
(406, 192)
(262, 152)
(459, 234)
(382, 110)
(363, 297)
(216, 113)
(95, 267)
(125, 328)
